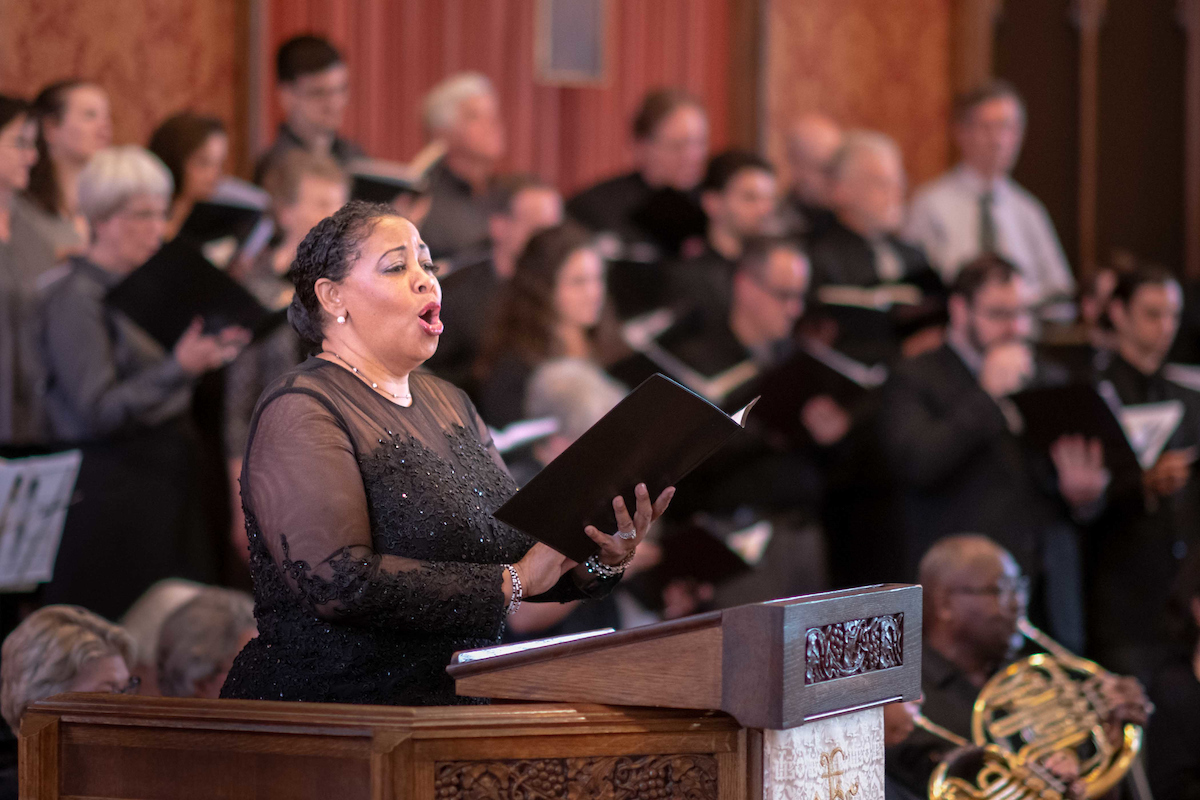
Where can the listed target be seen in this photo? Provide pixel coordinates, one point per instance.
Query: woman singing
(368, 489)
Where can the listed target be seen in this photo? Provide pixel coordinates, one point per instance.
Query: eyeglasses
(1002, 314)
(782, 295)
(1003, 589)
(22, 143)
(131, 687)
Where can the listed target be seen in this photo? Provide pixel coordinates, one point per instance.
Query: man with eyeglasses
(974, 594)
(947, 430)
(314, 90)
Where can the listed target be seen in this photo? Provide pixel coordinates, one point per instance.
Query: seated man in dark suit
(463, 112)
(945, 429)
(314, 88)
(655, 208)
(1152, 520)
(521, 206)
(861, 249)
(974, 594)
(739, 199)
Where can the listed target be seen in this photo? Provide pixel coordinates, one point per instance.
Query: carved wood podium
(776, 700)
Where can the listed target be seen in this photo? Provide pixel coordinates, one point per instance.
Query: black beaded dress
(374, 553)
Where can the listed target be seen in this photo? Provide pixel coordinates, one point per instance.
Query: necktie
(987, 223)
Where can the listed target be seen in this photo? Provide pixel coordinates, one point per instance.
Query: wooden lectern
(779, 700)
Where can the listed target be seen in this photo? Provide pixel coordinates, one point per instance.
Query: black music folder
(811, 371)
(378, 181)
(656, 435)
(211, 221)
(1049, 413)
(177, 285)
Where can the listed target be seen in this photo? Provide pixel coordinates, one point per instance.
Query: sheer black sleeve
(304, 489)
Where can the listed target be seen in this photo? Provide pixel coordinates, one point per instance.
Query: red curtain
(398, 49)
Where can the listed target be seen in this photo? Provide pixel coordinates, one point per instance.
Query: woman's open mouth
(430, 323)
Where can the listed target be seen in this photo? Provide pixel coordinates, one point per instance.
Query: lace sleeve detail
(303, 487)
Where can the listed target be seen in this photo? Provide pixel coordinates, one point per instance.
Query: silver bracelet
(518, 591)
(596, 567)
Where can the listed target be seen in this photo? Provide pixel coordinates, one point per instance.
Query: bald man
(974, 593)
(812, 142)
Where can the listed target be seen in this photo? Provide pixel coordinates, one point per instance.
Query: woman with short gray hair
(116, 392)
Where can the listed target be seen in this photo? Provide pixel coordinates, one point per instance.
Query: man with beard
(947, 430)
(974, 593)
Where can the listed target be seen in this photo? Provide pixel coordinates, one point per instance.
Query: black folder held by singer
(177, 285)
(656, 435)
(1049, 413)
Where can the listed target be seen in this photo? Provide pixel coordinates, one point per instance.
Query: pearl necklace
(399, 398)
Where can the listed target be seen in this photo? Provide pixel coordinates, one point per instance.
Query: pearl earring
(341, 320)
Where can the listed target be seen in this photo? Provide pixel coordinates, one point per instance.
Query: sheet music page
(520, 647)
(1148, 426)
(34, 495)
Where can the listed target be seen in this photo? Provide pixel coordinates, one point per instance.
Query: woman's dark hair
(327, 252)
(49, 105)
(11, 108)
(178, 137)
(526, 316)
(656, 107)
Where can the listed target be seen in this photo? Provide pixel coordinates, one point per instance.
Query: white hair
(857, 143)
(442, 102)
(573, 391)
(145, 617)
(115, 175)
(44, 654)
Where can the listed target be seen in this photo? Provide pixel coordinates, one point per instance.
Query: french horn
(1047, 703)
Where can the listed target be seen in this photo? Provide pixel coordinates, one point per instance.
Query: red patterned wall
(155, 57)
(398, 49)
(882, 64)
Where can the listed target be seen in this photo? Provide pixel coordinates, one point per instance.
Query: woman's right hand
(539, 570)
(198, 352)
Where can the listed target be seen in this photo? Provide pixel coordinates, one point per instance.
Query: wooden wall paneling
(1189, 17)
(1141, 121)
(974, 31)
(1037, 49)
(398, 49)
(746, 73)
(1088, 16)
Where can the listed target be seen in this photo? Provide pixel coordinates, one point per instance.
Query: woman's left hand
(613, 548)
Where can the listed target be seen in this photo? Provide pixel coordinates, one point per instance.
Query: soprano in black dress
(374, 553)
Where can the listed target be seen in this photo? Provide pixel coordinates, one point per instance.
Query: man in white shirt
(977, 208)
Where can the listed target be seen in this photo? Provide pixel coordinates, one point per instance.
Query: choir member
(977, 208)
(354, 457)
(519, 207)
(124, 399)
(1152, 520)
(24, 257)
(304, 188)
(313, 90)
(812, 142)
(945, 428)
(860, 247)
(74, 123)
(553, 306)
(654, 209)
(463, 112)
(739, 199)
(194, 148)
